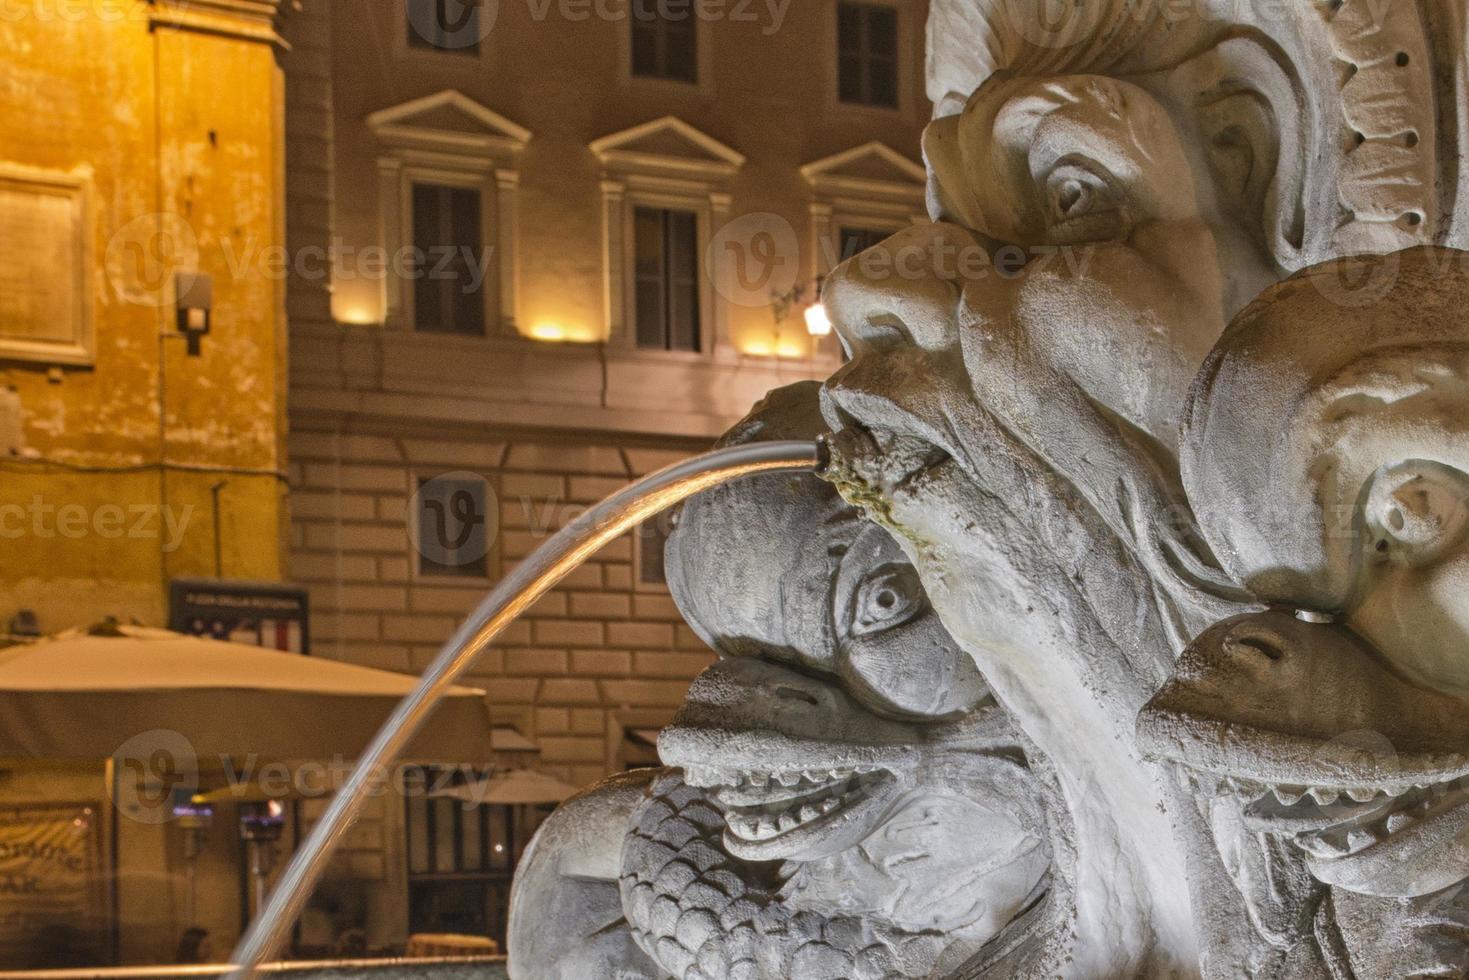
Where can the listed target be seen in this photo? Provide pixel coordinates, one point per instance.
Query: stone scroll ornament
(1016, 424)
(849, 800)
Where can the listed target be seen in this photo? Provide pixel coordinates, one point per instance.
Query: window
(867, 54)
(448, 279)
(461, 854)
(666, 279)
(855, 241)
(445, 25)
(664, 42)
(453, 533)
(652, 539)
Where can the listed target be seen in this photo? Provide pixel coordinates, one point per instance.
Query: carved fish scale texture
(703, 915)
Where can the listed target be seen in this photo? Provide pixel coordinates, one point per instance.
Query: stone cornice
(247, 20)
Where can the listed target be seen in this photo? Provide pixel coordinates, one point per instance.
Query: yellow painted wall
(177, 122)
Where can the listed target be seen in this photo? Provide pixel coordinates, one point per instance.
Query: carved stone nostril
(796, 694)
(1255, 645)
(1312, 616)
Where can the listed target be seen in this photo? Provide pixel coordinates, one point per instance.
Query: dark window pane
(849, 28)
(666, 279)
(884, 85)
(665, 40)
(683, 282)
(652, 538)
(449, 268)
(644, 49)
(867, 54)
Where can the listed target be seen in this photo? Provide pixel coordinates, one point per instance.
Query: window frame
(702, 86)
(416, 575)
(866, 57)
(909, 89)
(666, 279)
(414, 153)
(404, 49)
(411, 223)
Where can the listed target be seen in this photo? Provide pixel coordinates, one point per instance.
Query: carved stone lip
(822, 823)
(890, 459)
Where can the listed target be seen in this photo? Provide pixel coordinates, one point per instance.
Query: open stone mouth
(1334, 823)
(885, 460)
(771, 814)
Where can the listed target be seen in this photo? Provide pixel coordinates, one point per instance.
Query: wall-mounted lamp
(195, 299)
(818, 324)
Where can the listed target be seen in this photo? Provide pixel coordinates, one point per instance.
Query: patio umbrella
(514, 787)
(82, 695)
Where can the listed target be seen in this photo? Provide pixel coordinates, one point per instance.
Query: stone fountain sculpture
(848, 800)
(1327, 446)
(1111, 184)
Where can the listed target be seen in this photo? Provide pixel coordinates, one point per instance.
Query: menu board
(52, 885)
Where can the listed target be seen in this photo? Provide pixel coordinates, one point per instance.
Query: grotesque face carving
(854, 757)
(1326, 450)
(1010, 409)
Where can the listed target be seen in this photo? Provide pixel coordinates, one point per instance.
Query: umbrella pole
(550, 563)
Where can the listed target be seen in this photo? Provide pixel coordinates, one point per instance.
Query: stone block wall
(596, 657)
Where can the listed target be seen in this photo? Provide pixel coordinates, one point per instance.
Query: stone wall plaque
(45, 296)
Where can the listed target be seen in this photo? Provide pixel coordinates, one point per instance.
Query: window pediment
(449, 122)
(872, 170)
(667, 147)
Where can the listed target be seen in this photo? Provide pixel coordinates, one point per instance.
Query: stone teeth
(765, 829)
(789, 821)
(1323, 796)
(829, 804)
(1358, 840)
(1397, 821)
(702, 777)
(1289, 795)
(1362, 794)
(809, 812)
(759, 779)
(788, 779)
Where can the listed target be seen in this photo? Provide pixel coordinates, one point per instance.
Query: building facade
(142, 404)
(560, 245)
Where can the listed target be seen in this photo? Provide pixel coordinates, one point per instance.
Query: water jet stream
(537, 574)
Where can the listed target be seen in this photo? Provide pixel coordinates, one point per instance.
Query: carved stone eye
(1082, 206)
(888, 597)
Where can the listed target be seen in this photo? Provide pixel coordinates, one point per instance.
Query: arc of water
(546, 566)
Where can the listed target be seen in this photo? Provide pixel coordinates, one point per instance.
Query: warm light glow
(548, 331)
(553, 331)
(777, 348)
(818, 324)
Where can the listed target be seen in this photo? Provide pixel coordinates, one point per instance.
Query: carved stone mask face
(1414, 597)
